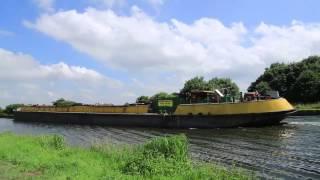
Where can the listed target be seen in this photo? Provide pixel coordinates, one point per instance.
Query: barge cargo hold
(199, 115)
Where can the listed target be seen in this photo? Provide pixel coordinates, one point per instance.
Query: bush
(65, 103)
(161, 156)
(175, 147)
(12, 107)
(55, 141)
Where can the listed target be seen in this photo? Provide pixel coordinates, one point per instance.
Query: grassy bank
(5, 115)
(47, 157)
(311, 106)
(307, 109)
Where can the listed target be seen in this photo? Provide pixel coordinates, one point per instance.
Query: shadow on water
(289, 151)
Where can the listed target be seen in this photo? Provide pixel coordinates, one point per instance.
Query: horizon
(113, 51)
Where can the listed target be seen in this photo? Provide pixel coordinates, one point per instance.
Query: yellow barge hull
(254, 113)
(251, 107)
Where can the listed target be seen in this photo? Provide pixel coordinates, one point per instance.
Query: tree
(298, 82)
(162, 95)
(12, 107)
(306, 87)
(198, 83)
(65, 103)
(262, 87)
(224, 84)
(143, 99)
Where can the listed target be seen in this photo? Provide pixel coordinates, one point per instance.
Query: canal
(288, 151)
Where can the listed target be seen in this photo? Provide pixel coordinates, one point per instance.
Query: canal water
(288, 151)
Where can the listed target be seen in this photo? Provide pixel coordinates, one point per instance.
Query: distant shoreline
(306, 112)
(307, 109)
(6, 116)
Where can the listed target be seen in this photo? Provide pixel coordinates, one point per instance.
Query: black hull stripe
(155, 120)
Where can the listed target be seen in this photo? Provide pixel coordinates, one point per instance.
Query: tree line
(9, 109)
(196, 83)
(298, 82)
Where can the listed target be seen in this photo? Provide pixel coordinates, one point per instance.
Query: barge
(167, 113)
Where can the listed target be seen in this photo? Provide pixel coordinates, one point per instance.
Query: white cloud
(161, 55)
(23, 79)
(109, 3)
(25, 67)
(289, 43)
(45, 5)
(123, 3)
(156, 3)
(6, 33)
(138, 42)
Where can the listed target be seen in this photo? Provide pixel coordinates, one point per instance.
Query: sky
(112, 51)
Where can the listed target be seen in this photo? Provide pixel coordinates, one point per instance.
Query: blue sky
(114, 50)
(250, 12)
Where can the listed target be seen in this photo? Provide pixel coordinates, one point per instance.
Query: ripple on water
(289, 151)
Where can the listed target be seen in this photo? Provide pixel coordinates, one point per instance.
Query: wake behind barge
(165, 113)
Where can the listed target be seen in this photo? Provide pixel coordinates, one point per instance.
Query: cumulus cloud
(156, 2)
(23, 79)
(123, 3)
(109, 3)
(161, 55)
(138, 42)
(25, 67)
(290, 43)
(45, 5)
(6, 33)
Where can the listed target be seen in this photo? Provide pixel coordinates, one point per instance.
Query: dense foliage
(143, 99)
(298, 82)
(2, 112)
(12, 107)
(199, 83)
(48, 157)
(163, 155)
(160, 95)
(64, 103)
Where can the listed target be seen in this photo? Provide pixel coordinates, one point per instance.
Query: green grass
(310, 106)
(3, 114)
(48, 157)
